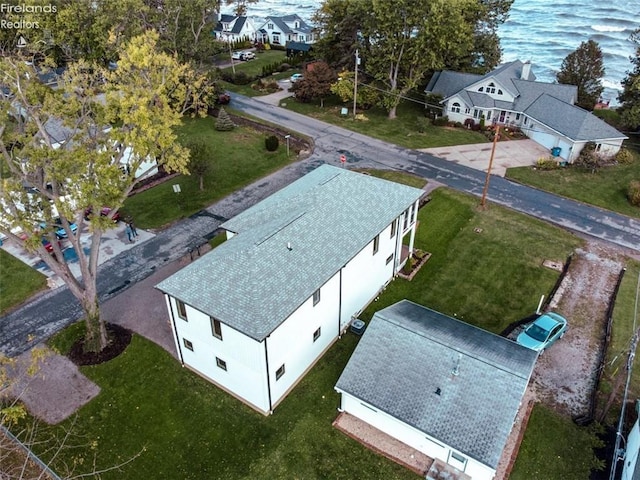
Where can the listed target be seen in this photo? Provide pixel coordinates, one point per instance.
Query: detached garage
(445, 388)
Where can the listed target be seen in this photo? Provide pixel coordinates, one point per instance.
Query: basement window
(221, 364)
(182, 309)
(280, 372)
(187, 344)
(316, 334)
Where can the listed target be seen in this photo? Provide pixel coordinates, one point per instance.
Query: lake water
(542, 31)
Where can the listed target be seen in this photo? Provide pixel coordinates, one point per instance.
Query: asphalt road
(53, 310)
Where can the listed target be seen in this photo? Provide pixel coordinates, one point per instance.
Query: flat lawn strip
(395, 176)
(18, 281)
(618, 351)
(488, 279)
(239, 158)
(254, 67)
(401, 131)
(554, 447)
(607, 188)
(190, 429)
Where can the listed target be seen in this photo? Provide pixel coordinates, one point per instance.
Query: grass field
(239, 158)
(403, 130)
(18, 281)
(607, 188)
(188, 428)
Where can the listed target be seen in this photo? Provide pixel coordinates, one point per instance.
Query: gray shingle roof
(409, 351)
(549, 103)
(253, 282)
(226, 18)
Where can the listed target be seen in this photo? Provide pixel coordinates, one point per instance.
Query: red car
(104, 211)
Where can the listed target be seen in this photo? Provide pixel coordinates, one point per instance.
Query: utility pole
(233, 67)
(486, 182)
(355, 85)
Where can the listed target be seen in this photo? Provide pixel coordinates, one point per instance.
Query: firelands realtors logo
(23, 16)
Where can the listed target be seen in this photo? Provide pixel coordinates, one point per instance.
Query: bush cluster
(422, 124)
(271, 143)
(633, 193)
(238, 78)
(547, 163)
(625, 156)
(441, 121)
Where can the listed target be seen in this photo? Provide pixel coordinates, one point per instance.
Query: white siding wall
(365, 275)
(245, 358)
(292, 345)
(430, 446)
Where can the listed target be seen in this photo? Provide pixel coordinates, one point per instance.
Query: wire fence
(30, 455)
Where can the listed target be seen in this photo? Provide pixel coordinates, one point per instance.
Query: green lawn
(488, 279)
(190, 429)
(621, 334)
(254, 67)
(555, 448)
(607, 188)
(396, 176)
(402, 131)
(240, 158)
(18, 281)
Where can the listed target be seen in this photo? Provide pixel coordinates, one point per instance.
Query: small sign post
(343, 159)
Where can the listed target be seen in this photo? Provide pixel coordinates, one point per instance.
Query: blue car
(60, 232)
(543, 332)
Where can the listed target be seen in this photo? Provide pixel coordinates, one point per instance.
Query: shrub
(547, 163)
(284, 66)
(441, 121)
(271, 143)
(624, 156)
(422, 124)
(241, 78)
(223, 99)
(458, 125)
(633, 193)
(408, 266)
(469, 123)
(482, 123)
(224, 122)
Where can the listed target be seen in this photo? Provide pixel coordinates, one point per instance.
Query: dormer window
(270, 26)
(225, 26)
(296, 24)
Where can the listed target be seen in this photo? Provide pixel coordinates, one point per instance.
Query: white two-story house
(234, 28)
(258, 311)
(510, 96)
(290, 28)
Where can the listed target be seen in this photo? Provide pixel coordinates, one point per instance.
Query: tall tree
(143, 102)
(316, 83)
(584, 68)
(409, 38)
(630, 96)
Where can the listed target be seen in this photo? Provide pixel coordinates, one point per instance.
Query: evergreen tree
(630, 96)
(584, 68)
(224, 122)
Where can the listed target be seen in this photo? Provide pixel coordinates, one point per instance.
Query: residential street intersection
(53, 310)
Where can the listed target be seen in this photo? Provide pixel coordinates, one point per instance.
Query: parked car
(60, 231)
(47, 245)
(237, 55)
(104, 211)
(248, 56)
(543, 332)
(296, 77)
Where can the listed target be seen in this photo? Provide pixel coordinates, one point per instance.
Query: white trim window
(455, 107)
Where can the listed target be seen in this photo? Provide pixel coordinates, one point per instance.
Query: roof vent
(456, 369)
(289, 247)
(438, 391)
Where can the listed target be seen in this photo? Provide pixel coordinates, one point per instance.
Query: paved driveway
(513, 153)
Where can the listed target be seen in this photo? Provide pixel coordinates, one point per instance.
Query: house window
(270, 26)
(187, 344)
(526, 120)
(225, 26)
(182, 309)
(296, 24)
(389, 259)
(302, 39)
(216, 328)
(455, 108)
(316, 297)
(289, 37)
(476, 113)
(276, 38)
(499, 92)
(393, 229)
(489, 115)
(376, 244)
(467, 110)
(491, 88)
(458, 461)
(280, 372)
(481, 89)
(517, 116)
(411, 215)
(221, 364)
(406, 219)
(316, 334)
